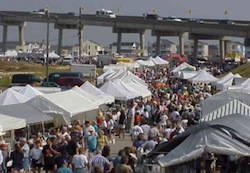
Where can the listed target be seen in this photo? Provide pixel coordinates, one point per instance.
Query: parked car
(173, 18)
(227, 21)
(195, 20)
(24, 79)
(70, 81)
(54, 77)
(49, 84)
(105, 13)
(153, 17)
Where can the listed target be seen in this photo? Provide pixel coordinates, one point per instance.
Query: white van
(105, 13)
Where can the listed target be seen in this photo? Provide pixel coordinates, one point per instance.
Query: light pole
(80, 32)
(47, 45)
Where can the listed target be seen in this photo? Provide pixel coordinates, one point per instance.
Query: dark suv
(24, 79)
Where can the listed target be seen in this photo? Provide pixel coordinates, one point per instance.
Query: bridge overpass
(209, 29)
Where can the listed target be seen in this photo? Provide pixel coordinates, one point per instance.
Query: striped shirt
(100, 161)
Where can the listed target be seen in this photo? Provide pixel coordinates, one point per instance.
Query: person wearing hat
(64, 167)
(91, 141)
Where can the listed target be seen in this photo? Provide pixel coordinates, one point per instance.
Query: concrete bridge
(210, 29)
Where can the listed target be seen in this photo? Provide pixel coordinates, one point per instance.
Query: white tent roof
(130, 65)
(11, 53)
(203, 76)
(11, 123)
(183, 66)
(114, 67)
(119, 90)
(128, 76)
(115, 75)
(10, 96)
(213, 136)
(227, 83)
(106, 98)
(141, 89)
(67, 103)
(187, 74)
(225, 78)
(233, 107)
(101, 78)
(149, 63)
(237, 75)
(159, 61)
(24, 111)
(45, 90)
(30, 91)
(218, 100)
(202, 140)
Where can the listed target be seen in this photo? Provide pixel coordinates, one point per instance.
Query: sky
(237, 9)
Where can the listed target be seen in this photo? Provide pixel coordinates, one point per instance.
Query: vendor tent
(69, 104)
(159, 61)
(119, 90)
(130, 65)
(233, 107)
(129, 76)
(10, 96)
(187, 74)
(24, 111)
(101, 78)
(223, 79)
(11, 123)
(203, 76)
(148, 63)
(182, 66)
(227, 135)
(30, 91)
(114, 67)
(220, 99)
(106, 98)
(52, 55)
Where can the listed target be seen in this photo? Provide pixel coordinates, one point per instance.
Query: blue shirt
(63, 169)
(92, 142)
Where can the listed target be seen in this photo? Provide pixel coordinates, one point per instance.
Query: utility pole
(47, 45)
(80, 32)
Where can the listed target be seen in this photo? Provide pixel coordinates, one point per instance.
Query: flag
(190, 11)
(154, 10)
(225, 12)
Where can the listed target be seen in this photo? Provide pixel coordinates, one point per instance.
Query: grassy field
(7, 69)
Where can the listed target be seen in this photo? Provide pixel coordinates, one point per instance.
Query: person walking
(26, 152)
(17, 157)
(80, 162)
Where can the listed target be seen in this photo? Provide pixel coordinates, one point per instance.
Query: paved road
(120, 143)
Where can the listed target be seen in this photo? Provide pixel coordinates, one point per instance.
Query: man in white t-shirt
(135, 131)
(80, 161)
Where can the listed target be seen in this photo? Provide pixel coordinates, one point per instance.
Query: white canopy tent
(159, 61)
(10, 96)
(116, 75)
(218, 100)
(187, 74)
(119, 90)
(106, 98)
(203, 76)
(223, 79)
(114, 67)
(101, 78)
(147, 63)
(30, 91)
(228, 83)
(24, 111)
(233, 107)
(52, 55)
(217, 136)
(131, 65)
(183, 66)
(11, 123)
(128, 76)
(68, 104)
(45, 90)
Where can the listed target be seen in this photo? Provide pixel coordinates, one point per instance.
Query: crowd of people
(175, 106)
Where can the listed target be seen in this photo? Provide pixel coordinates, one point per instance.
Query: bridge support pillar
(222, 49)
(5, 35)
(181, 45)
(195, 52)
(158, 45)
(60, 39)
(119, 42)
(21, 35)
(142, 44)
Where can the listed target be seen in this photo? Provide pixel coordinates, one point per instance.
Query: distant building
(89, 48)
(213, 50)
(166, 47)
(202, 48)
(235, 47)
